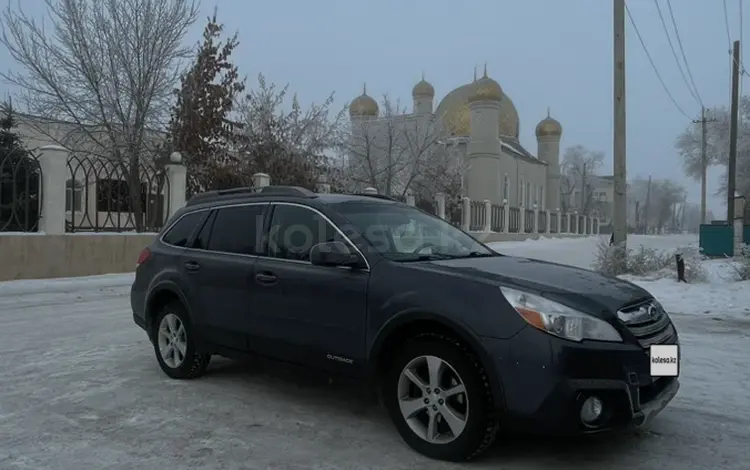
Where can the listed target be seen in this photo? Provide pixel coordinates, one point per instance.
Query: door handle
(192, 266)
(266, 278)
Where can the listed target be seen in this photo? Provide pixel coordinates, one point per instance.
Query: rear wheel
(439, 398)
(174, 344)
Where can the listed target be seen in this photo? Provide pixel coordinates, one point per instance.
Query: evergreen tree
(19, 180)
(201, 127)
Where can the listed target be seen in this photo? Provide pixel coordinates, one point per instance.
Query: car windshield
(405, 233)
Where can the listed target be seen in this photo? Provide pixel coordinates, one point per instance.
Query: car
(457, 339)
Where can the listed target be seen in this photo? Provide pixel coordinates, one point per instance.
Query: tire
(174, 344)
(474, 404)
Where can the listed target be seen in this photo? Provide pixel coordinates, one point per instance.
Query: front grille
(648, 322)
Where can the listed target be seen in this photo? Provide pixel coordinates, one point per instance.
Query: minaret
(423, 94)
(548, 134)
(484, 150)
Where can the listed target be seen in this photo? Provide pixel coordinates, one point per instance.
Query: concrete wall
(39, 256)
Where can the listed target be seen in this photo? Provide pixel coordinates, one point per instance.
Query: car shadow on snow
(332, 396)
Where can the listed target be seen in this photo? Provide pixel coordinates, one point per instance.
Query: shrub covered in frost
(615, 260)
(742, 266)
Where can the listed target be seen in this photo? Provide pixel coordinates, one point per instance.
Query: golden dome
(509, 121)
(455, 115)
(548, 127)
(363, 105)
(423, 88)
(486, 89)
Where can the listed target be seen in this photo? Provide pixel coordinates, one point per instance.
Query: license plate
(665, 360)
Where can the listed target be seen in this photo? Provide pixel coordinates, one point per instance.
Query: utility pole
(648, 204)
(619, 216)
(733, 132)
(704, 160)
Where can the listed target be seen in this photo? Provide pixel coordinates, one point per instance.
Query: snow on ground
(80, 389)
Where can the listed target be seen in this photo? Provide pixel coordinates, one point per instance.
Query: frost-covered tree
(688, 145)
(578, 172)
(660, 203)
(393, 153)
(293, 146)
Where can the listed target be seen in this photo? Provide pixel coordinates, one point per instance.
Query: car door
(220, 263)
(312, 315)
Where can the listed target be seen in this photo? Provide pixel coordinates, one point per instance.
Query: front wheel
(174, 344)
(439, 398)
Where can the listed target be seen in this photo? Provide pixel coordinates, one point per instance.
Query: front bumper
(544, 381)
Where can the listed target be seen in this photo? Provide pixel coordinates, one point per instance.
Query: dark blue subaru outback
(457, 338)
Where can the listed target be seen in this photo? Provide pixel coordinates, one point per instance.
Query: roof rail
(249, 191)
(376, 196)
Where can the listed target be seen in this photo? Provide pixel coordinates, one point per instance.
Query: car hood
(578, 288)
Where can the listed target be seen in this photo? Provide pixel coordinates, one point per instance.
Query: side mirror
(333, 254)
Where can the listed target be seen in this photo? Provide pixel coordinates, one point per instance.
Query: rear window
(181, 231)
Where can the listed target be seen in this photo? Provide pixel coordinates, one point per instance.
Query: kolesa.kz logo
(665, 360)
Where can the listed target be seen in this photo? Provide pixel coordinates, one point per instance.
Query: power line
(682, 50)
(674, 54)
(726, 25)
(653, 65)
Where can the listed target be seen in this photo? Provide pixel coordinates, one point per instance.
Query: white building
(480, 124)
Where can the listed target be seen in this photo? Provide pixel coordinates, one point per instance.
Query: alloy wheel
(433, 400)
(172, 339)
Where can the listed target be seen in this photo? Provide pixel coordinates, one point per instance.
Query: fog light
(591, 410)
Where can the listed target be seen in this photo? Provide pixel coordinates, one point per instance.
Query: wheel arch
(161, 294)
(414, 323)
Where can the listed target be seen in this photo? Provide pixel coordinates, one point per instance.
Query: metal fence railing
(107, 195)
(20, 191)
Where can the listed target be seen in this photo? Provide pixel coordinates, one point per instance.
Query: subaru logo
(647, 312)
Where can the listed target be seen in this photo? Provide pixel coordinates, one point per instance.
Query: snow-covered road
(80, 389)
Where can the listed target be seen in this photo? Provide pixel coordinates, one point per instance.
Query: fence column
(598, 222)
(261, 180)
(506, 216)
(177, 177)
(548, 223)
(487, 215)
(53, 161)
(521, 219)
(411, 199)
(440, 203)
(571, 222)
(465, 213)
(536, 219)
(559, 221)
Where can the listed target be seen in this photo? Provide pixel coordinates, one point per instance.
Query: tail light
(144, 256)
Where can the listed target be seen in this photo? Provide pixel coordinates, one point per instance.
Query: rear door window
(237, 229)
(179, 234)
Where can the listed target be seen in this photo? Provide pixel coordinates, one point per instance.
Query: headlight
(557, 319)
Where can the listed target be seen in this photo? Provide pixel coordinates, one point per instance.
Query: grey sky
(555, 53)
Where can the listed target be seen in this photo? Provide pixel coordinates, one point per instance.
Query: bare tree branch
(107, 67)
(392, 153)
(578, 174)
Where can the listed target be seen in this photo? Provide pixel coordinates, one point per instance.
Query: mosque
(480, 124)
